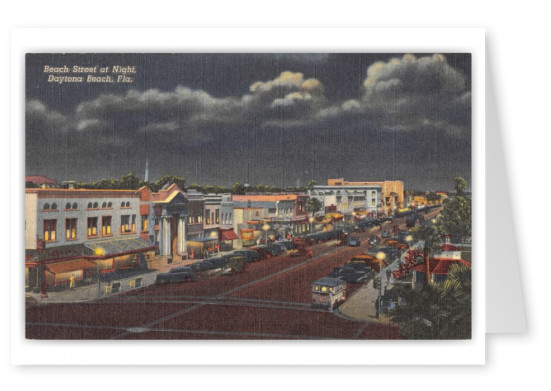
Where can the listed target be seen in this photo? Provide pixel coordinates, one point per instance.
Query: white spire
(146, 170)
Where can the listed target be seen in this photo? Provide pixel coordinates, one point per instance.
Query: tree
(438, 311)
(311, 184)
(129, 181)
(170, 179)
(460, 185)
(238, 188)
(430, 235)
(313, 205)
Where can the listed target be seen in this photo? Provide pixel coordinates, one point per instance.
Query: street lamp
(381, 257)
(311, 219)
(409, 238)
(265, 228)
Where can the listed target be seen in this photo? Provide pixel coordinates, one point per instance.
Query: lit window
(199, 219)
(125, 223)
(106, 225)
(71, 228)
(323, 289)
(217, 216)
(144, 223)
(332, 290)
(207, 216)
(92, 226)
(373, 202)
(133, 223)
(50, 230)
(316, 288)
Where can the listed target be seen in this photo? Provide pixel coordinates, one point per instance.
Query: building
(228, 236)
(75, 235)
(277, 214)
(439, 270)
(349, 200)
(38, 181)
(392, 192)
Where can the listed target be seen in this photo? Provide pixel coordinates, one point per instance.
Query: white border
(30, 352)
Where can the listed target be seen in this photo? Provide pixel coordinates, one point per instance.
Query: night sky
(273, 119)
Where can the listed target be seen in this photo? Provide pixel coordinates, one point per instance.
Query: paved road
(269, 300)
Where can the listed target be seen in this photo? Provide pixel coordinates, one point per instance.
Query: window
(128, 204)
(207, 216)
(46, 206)
(133, 223)
(190, 220)
(104, 205)
(106, 225)
(95, 205)
(92, 226)
(54, 206)
(323, 289)
(75, 206)
(49, 230)
(122, 204)
(199, 219)
(71, 228)
(373, 202)
(316, 288)
(125, 224)
(68, 205)
(89, 205)
(144, 223)
(373, 194)
(271, 210)
(217, 216)
(109, 204)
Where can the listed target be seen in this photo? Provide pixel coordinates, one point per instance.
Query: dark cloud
(408, 117)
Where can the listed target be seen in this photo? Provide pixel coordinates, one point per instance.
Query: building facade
(74, 235)
(392, 192)
(350, 199)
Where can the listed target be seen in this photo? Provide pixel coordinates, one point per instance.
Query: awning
(119, 246)
(229, 235)
(69, 266)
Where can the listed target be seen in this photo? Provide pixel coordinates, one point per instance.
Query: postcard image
(248, 196)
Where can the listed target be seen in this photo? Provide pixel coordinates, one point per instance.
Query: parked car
(249, 255)
(349, 274)
(288, 244)
(278, 248)
(385, 234)
(202, 266)
(354, 241)
(178, 274)
(266, 252)
(374, 240)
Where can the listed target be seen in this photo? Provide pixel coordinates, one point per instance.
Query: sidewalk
(361, 305)
(84, 293)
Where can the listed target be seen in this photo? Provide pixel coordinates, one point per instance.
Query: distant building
(349, 199)
(38, 181)
(392, 192)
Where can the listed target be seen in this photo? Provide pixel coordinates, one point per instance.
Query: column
(165, 235)
(182, 245)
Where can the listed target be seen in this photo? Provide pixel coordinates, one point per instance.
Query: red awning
(229, 235)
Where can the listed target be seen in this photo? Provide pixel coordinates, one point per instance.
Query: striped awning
(119, 246)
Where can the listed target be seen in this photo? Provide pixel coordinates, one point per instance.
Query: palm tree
(431, 238)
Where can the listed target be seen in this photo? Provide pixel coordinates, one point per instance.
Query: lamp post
(409, 238)
(265, 228)
(311, 219)
(381, 257)
(99, 252)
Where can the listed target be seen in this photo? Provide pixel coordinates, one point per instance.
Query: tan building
(392, 192)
